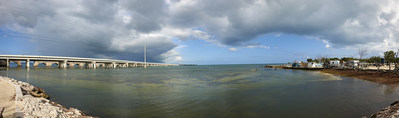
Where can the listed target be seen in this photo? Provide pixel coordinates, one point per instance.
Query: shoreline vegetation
(30, 101)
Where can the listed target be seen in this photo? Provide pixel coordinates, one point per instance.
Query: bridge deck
(64, 62)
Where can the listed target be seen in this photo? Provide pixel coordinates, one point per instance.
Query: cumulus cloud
(120, 28)
(233, 49)
(342, 24)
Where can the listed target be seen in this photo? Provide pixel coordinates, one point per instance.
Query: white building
(315, 65)
(354, 63)
(334, 63)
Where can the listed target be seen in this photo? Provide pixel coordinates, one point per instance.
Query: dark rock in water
(38, 92)
(396, 102)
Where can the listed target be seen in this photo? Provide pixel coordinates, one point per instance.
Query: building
(334, 63)
(354, 63)
(314, 65)
(296, 64)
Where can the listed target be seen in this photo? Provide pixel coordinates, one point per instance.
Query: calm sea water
(208, 91)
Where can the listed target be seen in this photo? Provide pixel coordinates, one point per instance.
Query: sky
(199, 31)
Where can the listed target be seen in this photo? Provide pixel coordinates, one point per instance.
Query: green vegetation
(309, 60)
(347, 58)
(390, 58)
(376, 60)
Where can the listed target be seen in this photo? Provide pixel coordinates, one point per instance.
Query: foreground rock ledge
(392, 111)
(29, 106)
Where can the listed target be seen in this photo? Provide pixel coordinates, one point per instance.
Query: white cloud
(119, 28)
(258, 46)
(233, 49)
(172, 56)
(327, 44)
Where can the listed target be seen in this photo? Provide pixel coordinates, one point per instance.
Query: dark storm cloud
(89, 28)
(98, 11)
(147, 15)
(120, 28)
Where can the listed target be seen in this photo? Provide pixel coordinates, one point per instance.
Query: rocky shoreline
(32, 102)
(392, 111)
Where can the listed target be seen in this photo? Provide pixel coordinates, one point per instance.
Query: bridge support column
(8, 62)
(113, 65)
(63, 64)
(27, 63)
(93, 64)
(126, 65)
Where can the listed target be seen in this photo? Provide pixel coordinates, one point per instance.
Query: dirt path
(7, 95)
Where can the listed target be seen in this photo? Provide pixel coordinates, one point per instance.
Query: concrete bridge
(65, 62)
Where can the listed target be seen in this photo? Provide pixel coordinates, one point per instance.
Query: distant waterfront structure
(334, 63)
(354, 63)
(65, 62)
(314, 65)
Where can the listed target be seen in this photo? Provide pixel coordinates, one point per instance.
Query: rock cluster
(34, 102)
(392, 111)
(40, 107)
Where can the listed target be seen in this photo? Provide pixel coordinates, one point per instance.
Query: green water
(208, 91)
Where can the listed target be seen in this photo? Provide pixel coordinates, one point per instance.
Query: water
(208, 91)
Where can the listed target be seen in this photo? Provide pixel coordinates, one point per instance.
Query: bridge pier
(108, 65)
(8, 62)
(92, 65)
(114, 65)
(27, 63)
(63, 64)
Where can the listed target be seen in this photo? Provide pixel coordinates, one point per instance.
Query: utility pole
(145, 55)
